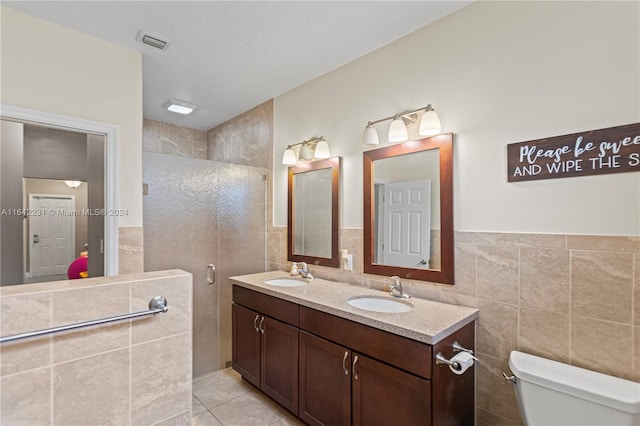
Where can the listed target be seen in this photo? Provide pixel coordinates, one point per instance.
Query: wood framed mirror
(408, 210)
(312, 234)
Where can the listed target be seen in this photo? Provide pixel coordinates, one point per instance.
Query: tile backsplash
(570, 298)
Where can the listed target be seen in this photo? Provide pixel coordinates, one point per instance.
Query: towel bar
(156, 305)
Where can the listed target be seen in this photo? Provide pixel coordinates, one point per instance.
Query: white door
(407, 224)
(51, 234)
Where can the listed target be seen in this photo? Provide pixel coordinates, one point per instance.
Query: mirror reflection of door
(403, 223)
(35, 160)
(51, 244)
(407, 210)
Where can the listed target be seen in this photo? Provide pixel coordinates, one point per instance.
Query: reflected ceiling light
(312, 149)
(429, 126)
(180, 107)
(73, 183)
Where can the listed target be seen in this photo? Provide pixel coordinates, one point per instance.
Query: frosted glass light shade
(289, 157)
(429, 123)
(322, 149)
(73, 183)
(398, 131)
(305, 154)
(370, 136)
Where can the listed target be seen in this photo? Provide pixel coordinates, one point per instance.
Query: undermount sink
(380, 304)
(285, 282)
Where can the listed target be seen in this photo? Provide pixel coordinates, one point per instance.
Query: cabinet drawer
(273, 307)
(407, 354)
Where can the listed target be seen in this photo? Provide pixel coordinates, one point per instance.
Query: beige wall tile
(130, 250)
(160, 379)
(25, 398)
(544, 279)
(498, 273)
(182, 419)
(486, 418)
(497, 329)
(601, 285)
(544, 333)
(512, 239)
(494, 394)
(465, 270)
(21, 314)
(254, 128)
(84, 305)
(177, 320)
(602, 346)
(604, 243)
(93, 390)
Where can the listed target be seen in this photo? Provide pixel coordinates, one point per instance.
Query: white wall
(497, 73)
(49, 68)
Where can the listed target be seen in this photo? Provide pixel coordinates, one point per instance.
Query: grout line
(570, 303)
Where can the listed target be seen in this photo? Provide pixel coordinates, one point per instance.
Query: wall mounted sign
(595, 152)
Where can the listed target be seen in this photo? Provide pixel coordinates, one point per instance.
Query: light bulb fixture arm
(321, 138)
(402, 114)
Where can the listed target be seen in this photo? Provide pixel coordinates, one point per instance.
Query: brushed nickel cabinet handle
(255, 322)
(355, 372)
(344, 363)
(260, 325)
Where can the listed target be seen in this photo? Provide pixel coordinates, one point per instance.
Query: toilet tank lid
(607, 390)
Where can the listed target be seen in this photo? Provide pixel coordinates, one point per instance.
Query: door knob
(36, 239)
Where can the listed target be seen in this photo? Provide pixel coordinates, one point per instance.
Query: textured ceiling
(229, 56)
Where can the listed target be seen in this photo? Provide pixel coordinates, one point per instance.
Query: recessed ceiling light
(180, 107)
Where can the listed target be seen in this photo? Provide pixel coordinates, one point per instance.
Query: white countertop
(427, 322)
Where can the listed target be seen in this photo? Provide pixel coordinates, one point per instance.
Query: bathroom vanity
(331, 363)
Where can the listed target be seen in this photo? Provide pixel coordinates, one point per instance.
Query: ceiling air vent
(151, 40)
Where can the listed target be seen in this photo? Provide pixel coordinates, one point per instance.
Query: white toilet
(553, 393)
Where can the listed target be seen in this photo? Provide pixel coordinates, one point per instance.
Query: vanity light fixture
(73, 183)
(180, 107)
(429, 126)
(312, 149)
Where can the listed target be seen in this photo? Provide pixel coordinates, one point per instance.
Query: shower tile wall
(126, 373)
(574, 299)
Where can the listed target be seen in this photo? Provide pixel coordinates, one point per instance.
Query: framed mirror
(408, 210)
(312, 234)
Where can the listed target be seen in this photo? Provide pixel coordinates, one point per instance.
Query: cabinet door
(246, 343)
(279, 369)
(383, 395)
(325, 382)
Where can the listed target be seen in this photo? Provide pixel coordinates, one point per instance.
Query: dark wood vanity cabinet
(265, 353)
(347, 373)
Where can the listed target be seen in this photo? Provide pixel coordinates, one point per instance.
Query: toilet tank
(553, 393)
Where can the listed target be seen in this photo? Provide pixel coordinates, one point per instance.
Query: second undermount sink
(285, 282)
(380, 304)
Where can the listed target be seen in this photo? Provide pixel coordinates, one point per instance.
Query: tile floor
(223, 398)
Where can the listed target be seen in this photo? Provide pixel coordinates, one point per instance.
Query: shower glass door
(200, 212)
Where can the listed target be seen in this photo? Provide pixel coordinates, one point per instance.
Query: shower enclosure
(197, 213)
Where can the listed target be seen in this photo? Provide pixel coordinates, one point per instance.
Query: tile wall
(127, 373)
(574, 299)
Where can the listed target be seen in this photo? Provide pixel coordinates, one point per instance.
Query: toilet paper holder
(457, 347)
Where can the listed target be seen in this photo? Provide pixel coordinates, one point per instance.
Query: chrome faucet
(396, 289)
(303, 271)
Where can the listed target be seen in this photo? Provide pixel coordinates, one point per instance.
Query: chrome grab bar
(156, 305)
